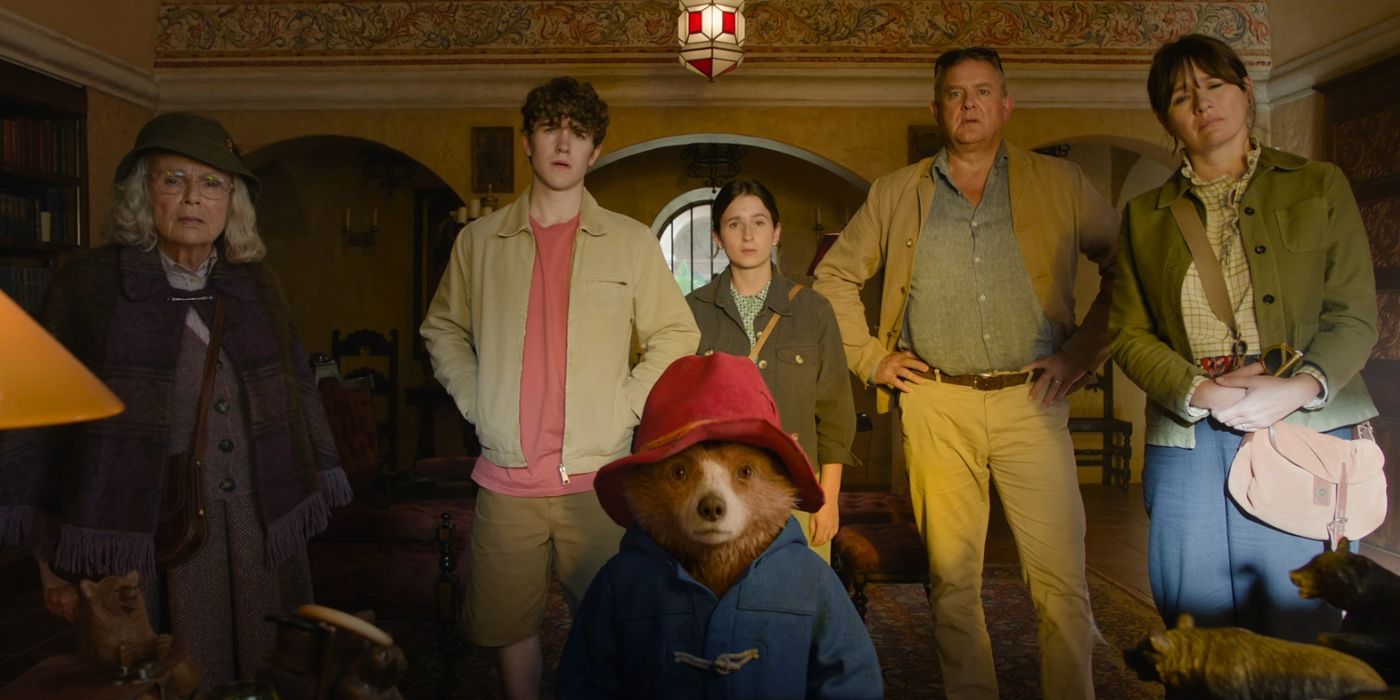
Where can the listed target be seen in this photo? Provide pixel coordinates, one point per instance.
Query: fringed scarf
(85, 496)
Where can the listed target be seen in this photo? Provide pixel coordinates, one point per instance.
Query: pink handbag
(1310, 484)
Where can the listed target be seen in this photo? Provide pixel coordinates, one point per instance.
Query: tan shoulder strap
(1207, 265)
(772, 321)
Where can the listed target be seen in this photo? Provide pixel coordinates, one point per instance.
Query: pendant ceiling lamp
(711, 36)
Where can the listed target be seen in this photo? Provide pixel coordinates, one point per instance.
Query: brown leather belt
(982, 382)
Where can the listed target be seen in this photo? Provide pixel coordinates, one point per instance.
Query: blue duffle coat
(643, 610)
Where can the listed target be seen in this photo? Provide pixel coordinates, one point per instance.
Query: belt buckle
(982, 381)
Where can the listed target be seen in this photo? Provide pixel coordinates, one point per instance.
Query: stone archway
(739, 140)
(316, 187)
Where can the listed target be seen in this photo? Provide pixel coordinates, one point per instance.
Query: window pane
(691, 254)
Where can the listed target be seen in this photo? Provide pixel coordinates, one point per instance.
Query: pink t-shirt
(542, 375)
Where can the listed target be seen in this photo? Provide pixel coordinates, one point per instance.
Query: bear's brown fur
(1231, 663)
(714, 506)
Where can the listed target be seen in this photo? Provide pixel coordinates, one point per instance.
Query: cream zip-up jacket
(621, 296)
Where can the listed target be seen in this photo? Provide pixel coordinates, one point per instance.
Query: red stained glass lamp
(711, 35)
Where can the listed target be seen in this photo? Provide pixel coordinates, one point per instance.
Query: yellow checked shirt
(1209, 336)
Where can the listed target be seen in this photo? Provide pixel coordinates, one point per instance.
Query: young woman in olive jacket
(801, 360)
(1298, 270)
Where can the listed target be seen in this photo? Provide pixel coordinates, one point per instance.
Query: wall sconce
(711, 36)
(360, 238)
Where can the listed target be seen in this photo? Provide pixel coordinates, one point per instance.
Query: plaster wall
(126, 30)
(1298, 27)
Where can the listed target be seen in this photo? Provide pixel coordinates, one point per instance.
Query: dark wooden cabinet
(1363, 138)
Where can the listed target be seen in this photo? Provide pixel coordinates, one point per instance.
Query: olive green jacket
(1057, 215)
(801, 363)
(1314, 288)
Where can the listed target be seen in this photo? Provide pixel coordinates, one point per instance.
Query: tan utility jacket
(620, 292)
(1057, 214)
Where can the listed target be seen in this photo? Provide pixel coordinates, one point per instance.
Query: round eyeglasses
(209, 186)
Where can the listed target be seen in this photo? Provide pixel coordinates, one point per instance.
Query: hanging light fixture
(711, 35)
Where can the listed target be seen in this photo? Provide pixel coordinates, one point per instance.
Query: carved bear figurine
(1371, 596)
(1366, 590)
(1231, 663)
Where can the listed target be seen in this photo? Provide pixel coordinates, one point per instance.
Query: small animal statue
(373, 675)
(1231, 663)
(1370, 595)
(1369, 592)
(714, 588)
(116, 633)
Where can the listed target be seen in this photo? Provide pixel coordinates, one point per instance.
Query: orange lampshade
(41, 383)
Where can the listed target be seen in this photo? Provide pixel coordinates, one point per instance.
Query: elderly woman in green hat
(180, 268)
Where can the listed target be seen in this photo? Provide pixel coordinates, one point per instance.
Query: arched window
(684, 232)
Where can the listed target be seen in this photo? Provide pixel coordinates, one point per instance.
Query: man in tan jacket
(531, 333)
(977, 334)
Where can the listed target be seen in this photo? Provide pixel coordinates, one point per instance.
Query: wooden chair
(1115, 452)
(878, 542)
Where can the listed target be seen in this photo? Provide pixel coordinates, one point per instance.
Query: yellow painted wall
(125, 29)
(1298, 27)
(112, 124)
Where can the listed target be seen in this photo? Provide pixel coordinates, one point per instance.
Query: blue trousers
(1209, 558)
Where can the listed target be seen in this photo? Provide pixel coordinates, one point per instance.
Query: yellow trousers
(957, 440)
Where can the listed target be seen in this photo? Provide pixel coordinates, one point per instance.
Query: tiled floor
(1116, 546)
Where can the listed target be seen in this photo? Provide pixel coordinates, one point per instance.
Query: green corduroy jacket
(1314, 288)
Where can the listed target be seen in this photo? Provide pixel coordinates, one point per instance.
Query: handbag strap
(206, 390)
(1207, 266)
(772, 321)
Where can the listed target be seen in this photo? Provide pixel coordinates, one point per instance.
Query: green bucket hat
(194, 136)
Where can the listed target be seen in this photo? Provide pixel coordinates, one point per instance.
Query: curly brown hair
(566, 99)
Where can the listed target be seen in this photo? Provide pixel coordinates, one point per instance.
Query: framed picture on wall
(924, 141)
(493, 159)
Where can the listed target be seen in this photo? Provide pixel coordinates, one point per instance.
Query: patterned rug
(901, 626)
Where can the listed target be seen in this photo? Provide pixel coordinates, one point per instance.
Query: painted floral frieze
(631, 31)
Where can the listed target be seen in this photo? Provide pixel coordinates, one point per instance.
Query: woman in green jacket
(1294, 255)
(801, 358)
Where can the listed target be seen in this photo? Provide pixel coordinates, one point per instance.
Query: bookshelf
(43, 179)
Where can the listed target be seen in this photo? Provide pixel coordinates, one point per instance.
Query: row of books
(45, 215)
(25, 285)
(43, 145)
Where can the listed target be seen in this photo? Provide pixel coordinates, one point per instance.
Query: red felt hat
(708, 397)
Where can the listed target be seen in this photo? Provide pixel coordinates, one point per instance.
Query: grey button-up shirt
(971, 304)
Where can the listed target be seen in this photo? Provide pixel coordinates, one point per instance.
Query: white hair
(130, 221)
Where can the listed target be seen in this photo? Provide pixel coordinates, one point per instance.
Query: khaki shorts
(517, 543)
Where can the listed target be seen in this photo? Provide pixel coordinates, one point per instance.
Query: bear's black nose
(711, 507)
